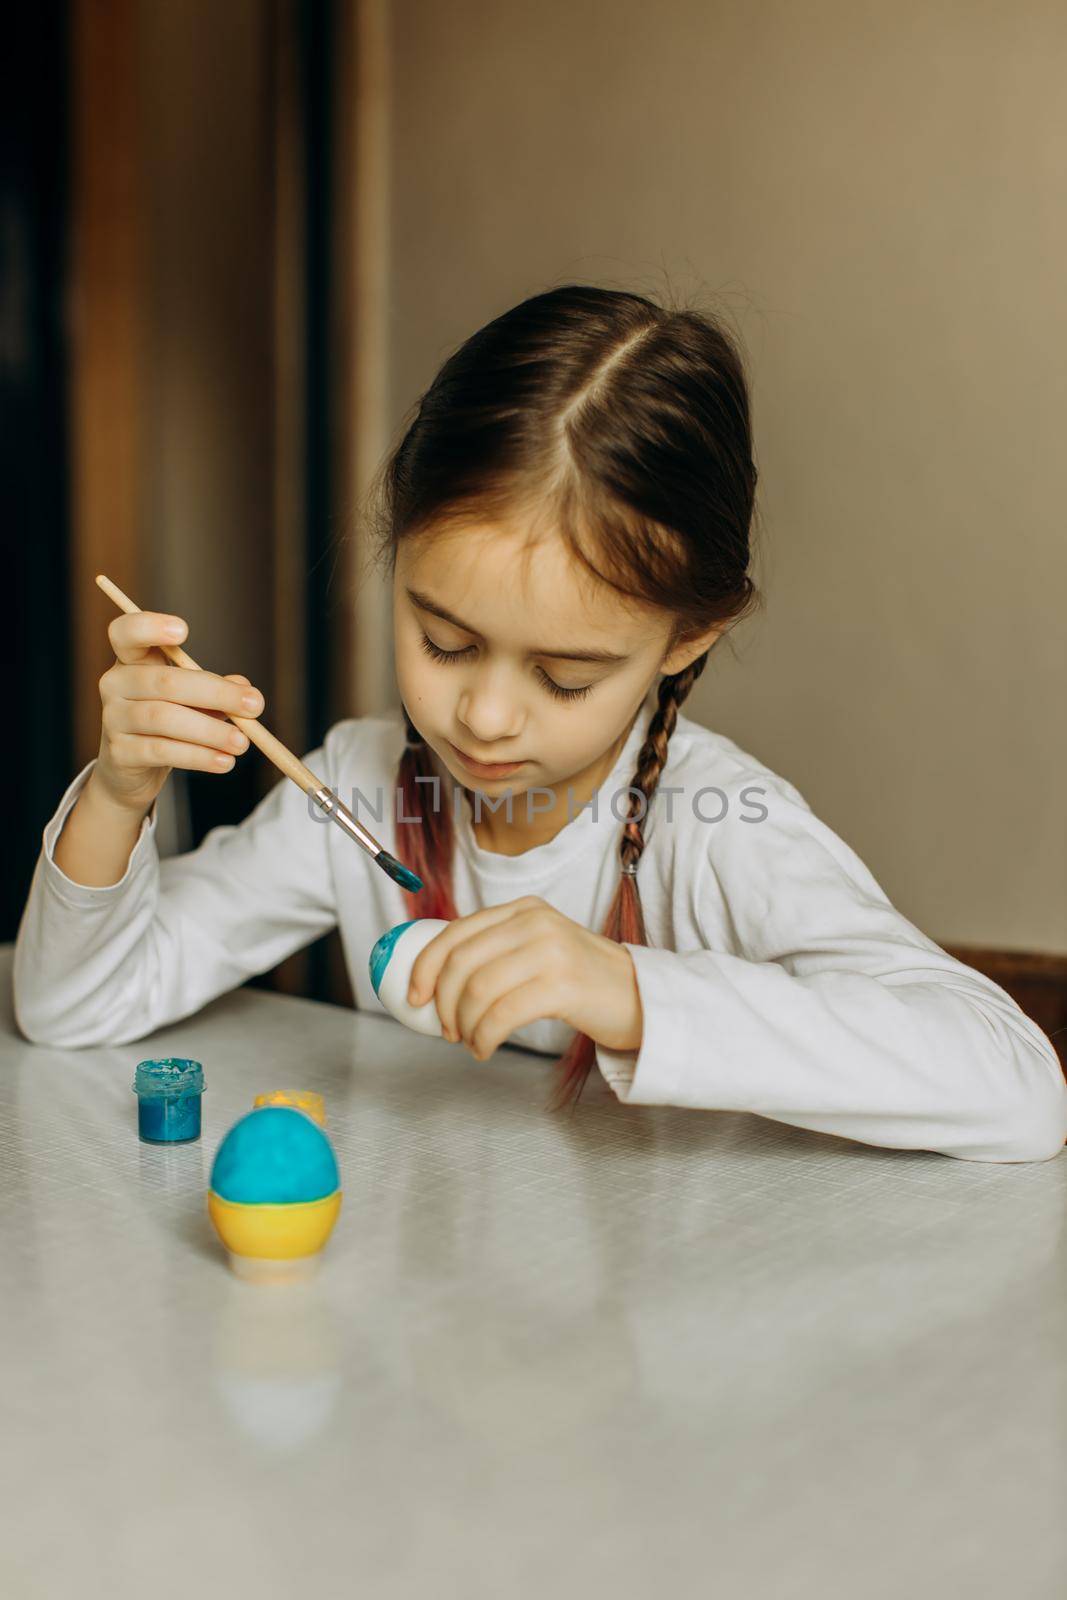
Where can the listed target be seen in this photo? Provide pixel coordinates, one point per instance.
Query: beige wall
(207, 423)
(875, 193)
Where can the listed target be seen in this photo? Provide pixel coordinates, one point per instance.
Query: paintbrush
(286, 762)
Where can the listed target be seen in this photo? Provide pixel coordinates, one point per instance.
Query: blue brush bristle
(398, 872)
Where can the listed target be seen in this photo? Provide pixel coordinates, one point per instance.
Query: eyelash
(557, 690)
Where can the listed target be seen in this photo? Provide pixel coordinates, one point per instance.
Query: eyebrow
(426, 604)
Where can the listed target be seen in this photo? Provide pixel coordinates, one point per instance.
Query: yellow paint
(274, 1232)
(303, 1099)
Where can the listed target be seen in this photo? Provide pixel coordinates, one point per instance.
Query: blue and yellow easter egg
(275, 1187)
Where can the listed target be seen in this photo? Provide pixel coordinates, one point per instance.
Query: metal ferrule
(335, 808)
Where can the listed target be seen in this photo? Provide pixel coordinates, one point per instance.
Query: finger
(232, 677)
(136, 750)
(513, 1010)
(185, 686)
(133, 635)
(464, 961)
(431, 957)
(491, 981)
(161, 719)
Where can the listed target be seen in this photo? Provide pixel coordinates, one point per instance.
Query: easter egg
(304, 1100)
(391, 962)
(275, 1192)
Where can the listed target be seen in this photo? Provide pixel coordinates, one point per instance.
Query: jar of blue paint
(168, 1100)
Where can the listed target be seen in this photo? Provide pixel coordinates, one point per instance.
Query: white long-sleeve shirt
(778, 978)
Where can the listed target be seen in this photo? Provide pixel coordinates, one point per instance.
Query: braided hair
(629, 423)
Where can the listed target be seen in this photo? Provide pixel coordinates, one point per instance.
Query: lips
(486, 769)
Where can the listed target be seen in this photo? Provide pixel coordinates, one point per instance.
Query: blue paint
(168, 1099)
(383, 949)
(275, 1156)
(398, 872)
(161, 1120)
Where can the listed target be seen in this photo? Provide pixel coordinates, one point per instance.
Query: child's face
(493, 700)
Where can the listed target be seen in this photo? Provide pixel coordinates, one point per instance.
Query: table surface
(543, 1353)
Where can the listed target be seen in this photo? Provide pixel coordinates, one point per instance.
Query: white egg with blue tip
(391, 961)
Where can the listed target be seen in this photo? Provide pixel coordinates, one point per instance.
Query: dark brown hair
(625, 425)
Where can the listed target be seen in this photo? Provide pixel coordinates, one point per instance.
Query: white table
(633, 1352)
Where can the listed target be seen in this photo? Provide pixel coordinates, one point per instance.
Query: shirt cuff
(643, 1076)
(89, 894)
(617, 1068)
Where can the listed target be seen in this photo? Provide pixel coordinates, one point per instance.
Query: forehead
(510, 584)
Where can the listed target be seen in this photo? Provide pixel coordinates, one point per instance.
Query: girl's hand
(157, 716)
(497, 969)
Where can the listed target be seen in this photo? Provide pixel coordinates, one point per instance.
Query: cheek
(417, 677)
(575, 740)
(409, 659)
(581, 729)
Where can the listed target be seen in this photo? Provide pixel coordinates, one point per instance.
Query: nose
(490, 716)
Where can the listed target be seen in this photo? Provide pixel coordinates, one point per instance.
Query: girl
(566, 521)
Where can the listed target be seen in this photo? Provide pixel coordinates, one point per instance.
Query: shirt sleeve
(105, 965)
(831, 1011)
